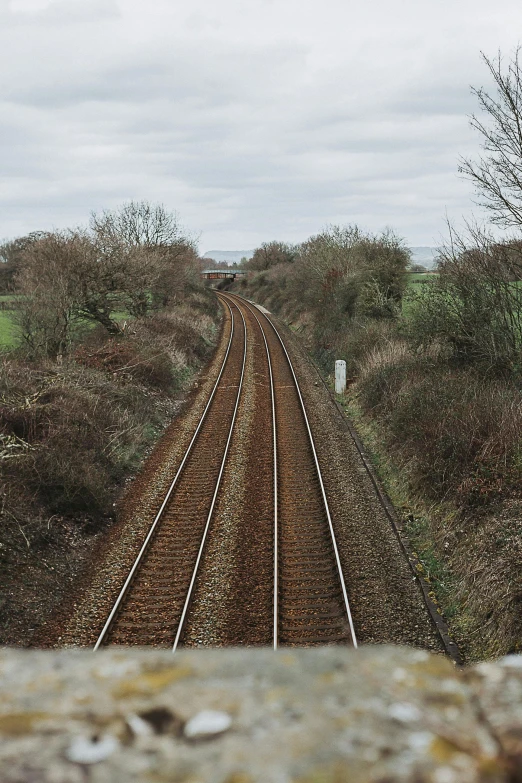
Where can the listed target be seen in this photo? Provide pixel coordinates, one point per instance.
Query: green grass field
(7, 335)
(415, 281)
(7, 338)
(414, 278)
(7, 331)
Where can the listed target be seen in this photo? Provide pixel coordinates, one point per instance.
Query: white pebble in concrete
(404, 712)
(207, 723)
(139, 727)
(85, 750)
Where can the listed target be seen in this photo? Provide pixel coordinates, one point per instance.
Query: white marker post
(340, 376)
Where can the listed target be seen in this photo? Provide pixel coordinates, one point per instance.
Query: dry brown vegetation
(449, 441)
(71, 435)
(448, 428)
(80, 406)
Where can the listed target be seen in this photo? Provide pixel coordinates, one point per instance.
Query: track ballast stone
(232, 600)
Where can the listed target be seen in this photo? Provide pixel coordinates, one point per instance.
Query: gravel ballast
(386, 601)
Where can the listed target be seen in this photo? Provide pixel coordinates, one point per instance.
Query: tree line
(133, 260)
(338, 274)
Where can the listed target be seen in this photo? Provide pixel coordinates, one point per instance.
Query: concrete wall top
(329, 715)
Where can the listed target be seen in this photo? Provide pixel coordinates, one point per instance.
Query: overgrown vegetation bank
(435, 391)
(109, 325)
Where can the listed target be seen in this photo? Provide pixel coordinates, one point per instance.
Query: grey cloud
(79, 12)
(456, 101)
(60, 12)
(115, 85)
(251, 129)
(223, 76)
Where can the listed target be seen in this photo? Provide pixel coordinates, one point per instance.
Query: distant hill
(420, 255)
(423, 255)
(229, 255)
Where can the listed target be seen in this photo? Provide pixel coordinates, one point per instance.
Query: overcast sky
(257, 120)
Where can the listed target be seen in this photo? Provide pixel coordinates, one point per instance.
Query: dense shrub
(112, 323)
(453, 438)
(343, 272)
(77, 434)
(271, 254)
(72, 431)
(473, 307)
(158, 351)
(459, 436)
(341, 288)
(335, 274)
(71, 434)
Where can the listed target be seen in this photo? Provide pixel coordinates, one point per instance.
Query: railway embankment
(434, 390)
(73, 435)
(330, 715)
(254, 521)
(106, 330)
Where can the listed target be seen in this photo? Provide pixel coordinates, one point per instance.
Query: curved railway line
(290, 588)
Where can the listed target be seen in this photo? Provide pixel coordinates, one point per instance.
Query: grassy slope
(455, 544)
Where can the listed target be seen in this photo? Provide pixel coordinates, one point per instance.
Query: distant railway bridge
(222, 274)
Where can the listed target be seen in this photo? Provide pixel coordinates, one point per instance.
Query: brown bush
(180, 331)
(73, 430)
(71, 433)
(459, 435)
(128, 361)
(78, 428)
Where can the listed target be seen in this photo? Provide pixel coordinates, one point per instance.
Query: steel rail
(158, 516)
(319, 474)
(276, 509)
(214, 498)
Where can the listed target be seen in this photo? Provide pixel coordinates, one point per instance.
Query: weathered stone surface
(498, 689)
(330, 715)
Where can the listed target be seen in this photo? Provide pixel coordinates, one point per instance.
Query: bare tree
(137, 224)
(135, 259)
(10, 256)
(150, 243)
(63, 282)
(99, 281)
(47, 306)
(497, 175)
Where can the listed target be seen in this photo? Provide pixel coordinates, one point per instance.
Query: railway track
(287, 585)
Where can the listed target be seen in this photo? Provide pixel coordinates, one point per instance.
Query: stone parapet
(328, 715)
